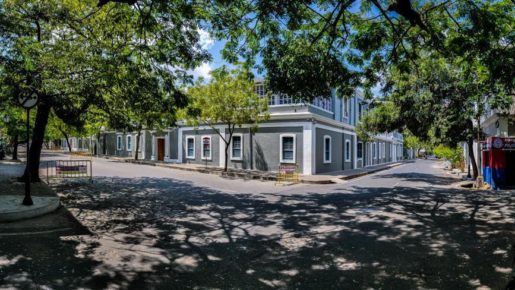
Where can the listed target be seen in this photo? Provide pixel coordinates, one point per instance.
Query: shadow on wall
(260, 158)
(165, 233)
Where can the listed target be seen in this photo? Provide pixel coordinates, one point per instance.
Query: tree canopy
(229, 99)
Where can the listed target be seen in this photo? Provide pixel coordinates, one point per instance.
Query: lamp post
(28, 102)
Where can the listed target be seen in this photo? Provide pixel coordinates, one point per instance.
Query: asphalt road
(158, 228)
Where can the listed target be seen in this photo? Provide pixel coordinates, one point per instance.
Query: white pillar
(355, 151)
(179, 146)
(308, 150)
(142, 147)
(153, 157)
(167, 146)
(222, 147)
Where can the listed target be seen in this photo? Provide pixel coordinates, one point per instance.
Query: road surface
(157, 228)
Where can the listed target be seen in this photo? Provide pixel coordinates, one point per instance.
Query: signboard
(498, 143)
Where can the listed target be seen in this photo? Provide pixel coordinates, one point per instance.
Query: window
(129, 142)
(345, 104)
(347, 150)
(287, 150)
(327, 149)
(236, 147)
(119, 142)
(206, 147)
(360, 150)
(190, 147)
(374, 150)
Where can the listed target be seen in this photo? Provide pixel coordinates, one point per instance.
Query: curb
(42, 205)
(249, 175)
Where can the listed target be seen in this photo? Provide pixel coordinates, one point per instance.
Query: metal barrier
(288, 173)
(64, 169)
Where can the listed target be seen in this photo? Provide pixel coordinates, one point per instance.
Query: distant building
(316, 137)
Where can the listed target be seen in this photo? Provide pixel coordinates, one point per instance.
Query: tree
(228, 99)
(14, 128)
(73, 55)
(309, 47)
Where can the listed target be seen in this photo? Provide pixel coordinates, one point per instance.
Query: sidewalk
(12, 193)
(340, 176)
(328, 178)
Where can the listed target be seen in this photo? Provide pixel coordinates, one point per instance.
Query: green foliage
(383, 118)
(228, 99)
(453, 155)
(308, 46)
(80, 59)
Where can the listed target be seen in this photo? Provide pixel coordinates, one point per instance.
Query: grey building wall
(173, 141)
(338, 161)
(245, 163)
(148, 145)
(266, 147)
(215, 147)
(337, 156)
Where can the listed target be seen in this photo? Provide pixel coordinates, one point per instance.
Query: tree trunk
(137, 145)
(470, 145)
(226, 155)
(15, 147)
(38, 134)
(67, 138)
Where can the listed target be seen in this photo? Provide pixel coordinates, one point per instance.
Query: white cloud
(205, 41)
(203, 70)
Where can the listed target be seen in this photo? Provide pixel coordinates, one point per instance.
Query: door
(160, 149)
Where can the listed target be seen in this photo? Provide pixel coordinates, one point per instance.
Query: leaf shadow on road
(158, 233)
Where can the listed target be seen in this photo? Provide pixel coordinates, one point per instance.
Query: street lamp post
(28, 102)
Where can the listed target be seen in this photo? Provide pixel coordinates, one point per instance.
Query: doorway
(160, 149)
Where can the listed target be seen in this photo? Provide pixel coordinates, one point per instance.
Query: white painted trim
(281, 160)
(167, 146)
(186, 139)
(180, 146)
(241, 147)
(308, 150)
(202, 147)
(119, 144)
(321, 126)
(362, 150)
(153, 157)
(221, 146)
(346, 152)
(127, 147)
(355, 151)
(328, 161)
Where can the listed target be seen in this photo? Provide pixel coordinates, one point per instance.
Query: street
(158, 228)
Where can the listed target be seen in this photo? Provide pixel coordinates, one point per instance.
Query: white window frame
(281, 148)
(241, 147)
(190, 156)
(357, 151)
(347, 152)
(202, 147)
(119, 142)
(128, 148)
(327, 137)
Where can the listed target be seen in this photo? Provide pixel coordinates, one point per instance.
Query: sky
(214, 47)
